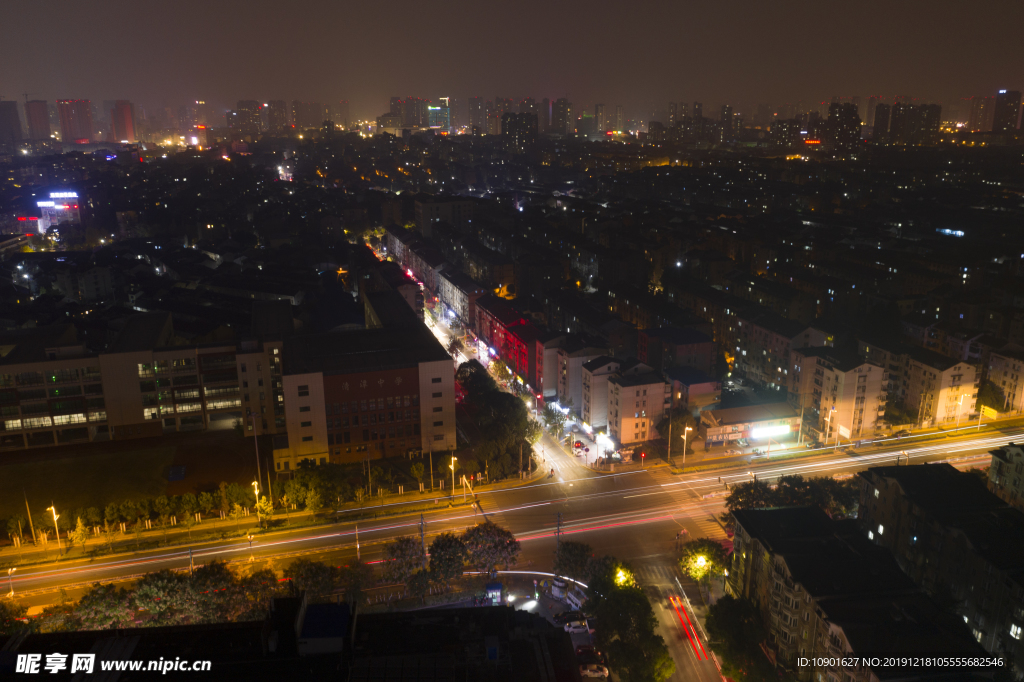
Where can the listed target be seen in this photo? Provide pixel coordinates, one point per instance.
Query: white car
(593, 670)
(576, 626)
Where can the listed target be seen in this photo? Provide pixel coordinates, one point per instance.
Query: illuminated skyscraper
(698, 110)
(843, 126)
(340, 115)
(544, 120)
(10, 125)
(563, 121)
(247, 117)
(122, 120)
(519, 130)
(38, 119)
(75, 121)
(310, 114)
(600, 120)
(982, 110)
(619, 120)
(726, 123)
(477, 115)
(1006, 111)
(277, 114)
(872, 103)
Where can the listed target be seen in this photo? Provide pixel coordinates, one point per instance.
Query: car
(577, 626)
(593, 670)
(733, 452)
(578, 444)
(584, 649)
(743, 442)
(902, 434)
(567, 616)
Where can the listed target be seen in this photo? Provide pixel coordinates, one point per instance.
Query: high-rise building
(396, 106)
(882, 113)
(923, 124)
(982, 112)
(698, 110)
(122, 121)
(544, 121)
(519, 130)
(620, 122)
(1006, 111)
(898, 119)
(673, 114)
(528, 106)
(440, 117)
(310, 114)
(277, 114)
(563, 121)
(726, 121)
(600, 120)
(763, 117)
(10, 125)
(38, 119)
(872, 103)
(477, 115)
(247, 117)
(340, 114)
(843, 126)
(75, 121)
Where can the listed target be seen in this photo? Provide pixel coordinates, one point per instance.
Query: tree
(554, 420)
(572, 559)
(13, 618)
(474, 379)
(257, 590)
(680, 420)
(418, 584)
(264, 510)
(402, 556)
(236, 514)
(647, 660)
(735, 630)
(625, 614)
(356, 577)
(166, 596)
(80, 535)
(314, 501)
(489, 546)
(417, 471)
(105, 607)
(750, 495)
(455, 347)
(703, 559)
(207, 503)
(447, 557)
(316, 578)
(990, 395)
(501, 371)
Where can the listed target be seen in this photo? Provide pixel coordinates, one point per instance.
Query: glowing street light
(685, 431)
(250, 537)
(10, 582)
(702, 561)
(452, 467)
(55, 528)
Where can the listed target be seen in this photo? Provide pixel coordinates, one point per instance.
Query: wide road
(634, 516)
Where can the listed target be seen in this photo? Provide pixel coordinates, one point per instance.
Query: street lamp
(701, 561)
(685, 431)
(452, 467)
(959, 407)
(250, 538)
(10, 582)
(55, 528)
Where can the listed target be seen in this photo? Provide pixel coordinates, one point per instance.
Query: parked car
(567, 616)
(583, 649)
(592, 658)
(733, 452)
(593, 670)
(743, 442)
(902, 434)
(577, 626)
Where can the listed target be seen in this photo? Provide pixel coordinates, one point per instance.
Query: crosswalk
(651, 574)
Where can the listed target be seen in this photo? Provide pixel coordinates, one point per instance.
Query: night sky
(638, 54)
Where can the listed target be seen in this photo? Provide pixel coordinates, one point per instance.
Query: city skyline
(643, 64)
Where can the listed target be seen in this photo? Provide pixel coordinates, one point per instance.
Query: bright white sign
(769, 431)
(63, 195)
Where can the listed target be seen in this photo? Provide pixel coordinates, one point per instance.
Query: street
(634, 516)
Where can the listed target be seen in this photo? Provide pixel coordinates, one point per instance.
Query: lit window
(876, 492)
(880, 529)
(871, 535)
(1015, 631)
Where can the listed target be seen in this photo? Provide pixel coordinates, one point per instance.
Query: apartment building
(458, 294)
(938, 389)
(368, 393)
(693, 391)
(1006, 474)
(636, 403)
(594, 408)
(1006, 371)
(504, 333)
(431, 210)
(839, 393)
(957, 540)
(676, 347)
(55, 392)
(762, 343)
(826, 594)
(573, 353)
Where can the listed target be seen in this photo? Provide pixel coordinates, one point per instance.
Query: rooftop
(750, 414)
(642, 379)
(679, 336)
